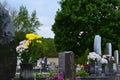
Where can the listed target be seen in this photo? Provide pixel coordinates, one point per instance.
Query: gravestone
(109, 49)
(8, 56)
(97, 49)
(110, 63)
(66, 64)
(116, 56)
(97, 44)
(109, 52)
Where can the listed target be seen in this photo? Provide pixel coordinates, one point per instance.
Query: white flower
(98, 57)
(104, 61)
(22, 42)
(94, 56)
(21, 48)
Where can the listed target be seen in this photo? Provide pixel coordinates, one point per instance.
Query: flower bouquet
(104, 62)
(29, 48)
(93, 57)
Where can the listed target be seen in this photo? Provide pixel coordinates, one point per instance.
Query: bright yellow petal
(39, 41)
(27, 43)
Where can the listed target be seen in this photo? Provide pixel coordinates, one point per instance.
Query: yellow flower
(30, 36)
(82, 66)
(38, 37)
(27, 43)
(39, 41)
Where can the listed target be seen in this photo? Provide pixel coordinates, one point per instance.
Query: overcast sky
(46, 11)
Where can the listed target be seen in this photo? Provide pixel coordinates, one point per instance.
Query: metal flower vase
(26, 72)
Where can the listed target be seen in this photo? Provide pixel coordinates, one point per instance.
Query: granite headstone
(8, 56)
(66, 64)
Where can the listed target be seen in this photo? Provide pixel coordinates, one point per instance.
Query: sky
(45, 9)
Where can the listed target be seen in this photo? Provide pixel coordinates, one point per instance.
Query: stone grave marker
(8, 56)
(97, 44)
(110, 63)
(109, 49)
(116, 56)
(97, 49)
(66, 64)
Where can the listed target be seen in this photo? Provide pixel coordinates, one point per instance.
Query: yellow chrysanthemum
(39, 41)
(30, 36)
(38, 37)
(27, 43)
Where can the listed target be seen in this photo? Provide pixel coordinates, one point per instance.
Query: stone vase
(92, 68)
(103, 70)
(26, 71)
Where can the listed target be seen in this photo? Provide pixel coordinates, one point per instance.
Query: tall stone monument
(109, 49)
(97, 49)
(66, 64)
(97, 44)
(110, 63)
(116, 55)
(8, 57)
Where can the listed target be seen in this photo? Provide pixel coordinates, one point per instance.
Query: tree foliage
(48, 48)
(78, 21)
(25, 23)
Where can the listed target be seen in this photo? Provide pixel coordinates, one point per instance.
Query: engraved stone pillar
(110, 63)
(116, 56)
(97, 44)
(66, 64)
(97, 49)
(109, 49)
(8, 56)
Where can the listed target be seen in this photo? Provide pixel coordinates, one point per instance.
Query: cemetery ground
(81, 72)
(99, 67)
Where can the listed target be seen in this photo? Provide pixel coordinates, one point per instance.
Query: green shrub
(37, 74)
(82, 73)
(17, 75)
(52, 74)
(67, 79)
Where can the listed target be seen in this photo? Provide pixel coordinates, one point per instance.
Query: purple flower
(60, 76)
(78, 78)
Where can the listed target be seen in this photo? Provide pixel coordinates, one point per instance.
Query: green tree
(25, 23)
(48, 48)
(78, 21)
